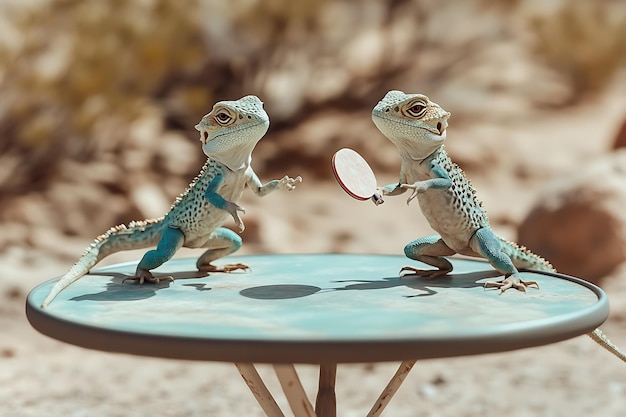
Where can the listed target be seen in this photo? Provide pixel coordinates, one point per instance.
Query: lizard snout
(204, 135)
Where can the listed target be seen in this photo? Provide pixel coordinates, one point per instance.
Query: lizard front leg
(172, 239)
(488, 245)
(221, 203)
(285, 183)
(431, 251)
(441, 181)
(221, 242)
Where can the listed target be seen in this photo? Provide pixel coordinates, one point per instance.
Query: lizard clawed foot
(223, 268)
(146, 276)
(512, 281)
(424, 273)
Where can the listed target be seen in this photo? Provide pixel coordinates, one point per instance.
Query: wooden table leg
(259, 390)
(326, 402)
(391, 388)
(292, 387)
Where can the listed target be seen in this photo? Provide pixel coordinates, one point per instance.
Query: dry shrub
(585, 41)
(78, 73)
(103, 95)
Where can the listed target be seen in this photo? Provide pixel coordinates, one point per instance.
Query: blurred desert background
(98, 100)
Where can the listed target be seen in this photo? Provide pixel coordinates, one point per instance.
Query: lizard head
(416, 125)
(232, 129)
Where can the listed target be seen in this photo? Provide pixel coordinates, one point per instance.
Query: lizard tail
(604, 341)
(136, 235)
(80, 268)
(522, 257)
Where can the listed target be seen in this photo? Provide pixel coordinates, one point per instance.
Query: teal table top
(317, 308)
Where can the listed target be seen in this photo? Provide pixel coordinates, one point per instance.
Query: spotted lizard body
(417, 126)
(228, 134)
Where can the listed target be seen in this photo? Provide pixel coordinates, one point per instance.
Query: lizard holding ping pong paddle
(417, 126)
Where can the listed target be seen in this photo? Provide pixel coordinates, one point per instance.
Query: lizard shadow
(118, 290)
(425, 285)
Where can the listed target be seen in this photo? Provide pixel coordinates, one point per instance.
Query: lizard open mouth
(439, 130)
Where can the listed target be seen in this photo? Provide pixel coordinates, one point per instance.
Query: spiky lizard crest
(523, 257)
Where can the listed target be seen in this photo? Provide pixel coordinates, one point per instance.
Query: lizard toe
(223, 268)
(424, 273)
(146, 276)
(511, 282)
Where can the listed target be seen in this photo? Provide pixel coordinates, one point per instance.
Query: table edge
(315, 352)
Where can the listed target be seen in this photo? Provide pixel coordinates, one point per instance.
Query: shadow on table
(118, 290)
(280, 292)
(426, 285)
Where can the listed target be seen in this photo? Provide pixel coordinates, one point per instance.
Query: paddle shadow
(279, 292)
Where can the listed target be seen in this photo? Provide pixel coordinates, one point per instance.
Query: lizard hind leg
(488, 245)
(431, 251)
(171, 240)
(221, 242)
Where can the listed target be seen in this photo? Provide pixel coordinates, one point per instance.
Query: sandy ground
(40, 376)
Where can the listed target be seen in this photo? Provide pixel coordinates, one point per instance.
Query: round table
(314, 308)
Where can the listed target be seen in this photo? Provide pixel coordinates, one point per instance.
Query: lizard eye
(416, 109)
(223, 118)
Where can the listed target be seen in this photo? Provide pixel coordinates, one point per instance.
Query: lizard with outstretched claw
(417, 126)
(228, 134)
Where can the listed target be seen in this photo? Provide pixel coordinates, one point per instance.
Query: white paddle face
(354, 175)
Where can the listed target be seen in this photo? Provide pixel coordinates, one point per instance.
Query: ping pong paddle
(355, 176)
